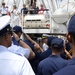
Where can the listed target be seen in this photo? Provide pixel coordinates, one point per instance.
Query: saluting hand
(16, 36)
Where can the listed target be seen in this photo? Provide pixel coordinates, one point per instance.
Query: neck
(4, 45)
(56, 53)
(2, 42)
(73, 51)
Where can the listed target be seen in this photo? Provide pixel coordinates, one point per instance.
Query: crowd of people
(29, 57)
(17, 15)
(50, 56)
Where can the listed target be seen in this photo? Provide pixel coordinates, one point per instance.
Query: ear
(6, 37)
(69, 37)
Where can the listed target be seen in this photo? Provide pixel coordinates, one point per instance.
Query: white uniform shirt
(4, 10)
(15, 18)
(19, 50)
(12, 64)
(45, 46)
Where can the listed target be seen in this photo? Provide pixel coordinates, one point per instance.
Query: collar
(55, 56)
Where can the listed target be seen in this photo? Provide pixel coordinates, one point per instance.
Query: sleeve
(19, 50)
(26, 53)
(39, 72)
(27, 69)
(23, 51)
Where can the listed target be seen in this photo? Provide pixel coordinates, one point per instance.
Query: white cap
(4, 21)
(4, 25)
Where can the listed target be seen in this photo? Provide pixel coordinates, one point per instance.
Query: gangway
(35, 25)
(41, 25)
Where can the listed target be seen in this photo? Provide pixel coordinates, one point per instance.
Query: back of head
(17, 29)
(71, 27)
(24, 5)
(57, 44)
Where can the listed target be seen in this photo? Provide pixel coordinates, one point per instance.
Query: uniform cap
(71, 25)
(4, 25)
(57, 43)
(17, 29)
(49, 40)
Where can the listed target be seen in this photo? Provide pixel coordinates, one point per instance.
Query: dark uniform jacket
(69, 69)
(51, 65)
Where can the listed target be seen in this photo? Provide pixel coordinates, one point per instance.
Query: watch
(19, 40)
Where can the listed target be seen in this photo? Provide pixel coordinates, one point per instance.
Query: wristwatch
(19, 40)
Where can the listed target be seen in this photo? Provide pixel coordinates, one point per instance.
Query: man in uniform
(18, 30)
(70, 68)
(10, 63)
(21, 48)
(4, 9)
(24, 10)
(54, 62)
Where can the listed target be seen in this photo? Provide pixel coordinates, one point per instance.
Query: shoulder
(11, 56)
(68, 70)
(19, 50)
(45, 62)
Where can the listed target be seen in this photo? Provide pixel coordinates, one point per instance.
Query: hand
(68, 54)
(16, 36)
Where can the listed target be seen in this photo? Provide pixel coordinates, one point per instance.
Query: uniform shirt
(24, 11)
(45, 46)
(19, 50)
(15, 18)
(69, 69)
(4, 10)
(15, 12)
(51, 65)
(45, 54)
(12, 64)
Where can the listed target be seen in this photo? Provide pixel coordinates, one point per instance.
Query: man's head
(5, 31)
(24, 5)
(49, 40)
(17, 30)
(57, 44)
(71, 30)
(3, 3)
(41, 5)
(14, 7)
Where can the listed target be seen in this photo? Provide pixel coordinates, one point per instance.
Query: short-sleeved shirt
(69, 69)
(12, 64)
(51, 65)
(24, 11)
(4, 10)
(19, 50)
